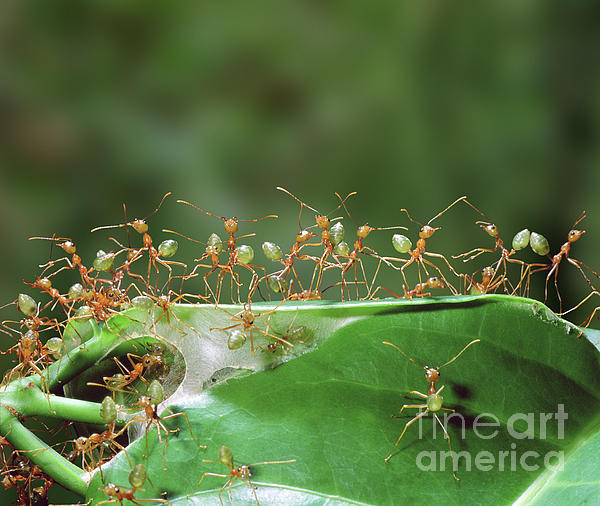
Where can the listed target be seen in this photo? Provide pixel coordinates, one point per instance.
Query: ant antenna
(223, 217)
(409, 358)
(582, 216)
(409, 217)
(297, 200)
(159, 205)
(127, 224)
(351, 194)
(473, 207)
(166, 230)
(459, 353)
(127, 228)
(343, 203)
(464, 198)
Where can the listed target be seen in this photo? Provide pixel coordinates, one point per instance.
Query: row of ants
(102, 290)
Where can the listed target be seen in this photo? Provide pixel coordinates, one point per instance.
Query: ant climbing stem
(434, 400)
(236, 473)
(241, 255)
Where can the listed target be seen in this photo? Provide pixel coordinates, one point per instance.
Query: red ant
(565, 250)
(149, 404)
(212, 250)
(419, 289)
(505, 255)
(434, 400)
(237, 256)
(353, 258)
(323, 222)
(236, 473)
(137, 477)
(118, 383)
(246, 319)
(154, 255)
(487, 283)
(403, 245)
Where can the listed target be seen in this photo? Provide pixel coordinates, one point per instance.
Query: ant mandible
(434, 400)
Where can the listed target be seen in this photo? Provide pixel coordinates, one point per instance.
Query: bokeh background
(412, 104)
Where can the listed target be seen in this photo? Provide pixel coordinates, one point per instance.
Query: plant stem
(52, 463)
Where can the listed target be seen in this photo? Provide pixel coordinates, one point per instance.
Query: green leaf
(328, 406)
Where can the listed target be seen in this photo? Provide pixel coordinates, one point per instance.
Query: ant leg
(420, 415)
(449, 444)
(173, 415)
(425, 261)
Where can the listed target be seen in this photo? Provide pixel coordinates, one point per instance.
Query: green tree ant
(236, 473)
(433, 399)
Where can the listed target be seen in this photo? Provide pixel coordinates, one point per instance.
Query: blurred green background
(411, 104)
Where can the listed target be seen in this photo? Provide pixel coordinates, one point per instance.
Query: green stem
(53, 464)
(27, 399)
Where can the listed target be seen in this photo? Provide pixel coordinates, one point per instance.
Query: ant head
(148, 360)
(244, 472)
(490, 228)
(68, 247)
(248, 316)
(322, 221)
(364, 230)
(80, 443)
(575, 235)
(44, 283)
(487, 273)
(435, 282)
(231, 225)
(432, 374)
(140, 226)
(427, 231)
(143, 402)
(303, 236)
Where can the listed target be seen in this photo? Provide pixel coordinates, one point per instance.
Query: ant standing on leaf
(246, 319)
(117, 495)
(213, 248)
(520, 241)
(240, 255)
(323, 222)
(149, 404)
(564, 252)
(154, 255)
(353, 256)
(434, 400)
(236, 473)
(403, 244)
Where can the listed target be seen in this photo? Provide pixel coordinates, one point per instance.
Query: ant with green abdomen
(433, 399)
